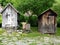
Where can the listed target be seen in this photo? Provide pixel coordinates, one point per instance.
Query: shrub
(58, 23)
(33, 20)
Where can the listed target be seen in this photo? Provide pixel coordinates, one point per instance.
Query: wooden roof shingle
(47, 11)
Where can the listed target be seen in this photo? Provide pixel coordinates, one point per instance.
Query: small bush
(58, 23)
(33, 20)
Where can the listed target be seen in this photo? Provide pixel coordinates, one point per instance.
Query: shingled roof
(9, 4)
(47, 11)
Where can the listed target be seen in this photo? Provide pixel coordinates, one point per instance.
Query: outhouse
(47, 22)
(9, 17)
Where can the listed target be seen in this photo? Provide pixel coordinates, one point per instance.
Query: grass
(35, 30)
(58, 31)
(0, 18)
(33, 44)
(34, 33)
(1, 31)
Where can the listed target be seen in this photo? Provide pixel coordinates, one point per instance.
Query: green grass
(0, 18)
(1, 31)
(58, 31)
(33, 44)
(34, 33)
(35, 30)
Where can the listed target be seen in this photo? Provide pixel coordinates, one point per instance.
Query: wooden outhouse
(9, 17)
(47, 22)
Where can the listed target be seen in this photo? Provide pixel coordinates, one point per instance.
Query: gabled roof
(47, 11)
(9, 4)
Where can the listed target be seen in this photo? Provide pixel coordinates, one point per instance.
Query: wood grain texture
(47, 23)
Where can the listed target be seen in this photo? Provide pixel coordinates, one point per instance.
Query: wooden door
(50, 21)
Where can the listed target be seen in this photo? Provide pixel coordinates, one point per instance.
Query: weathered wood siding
(40, 24)
(47, 23)
(9, 17)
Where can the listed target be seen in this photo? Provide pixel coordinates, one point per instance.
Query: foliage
(56, 8)
(21, 18)
(36, 6)
(33, 20)
(4, 2)
(58, 23)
